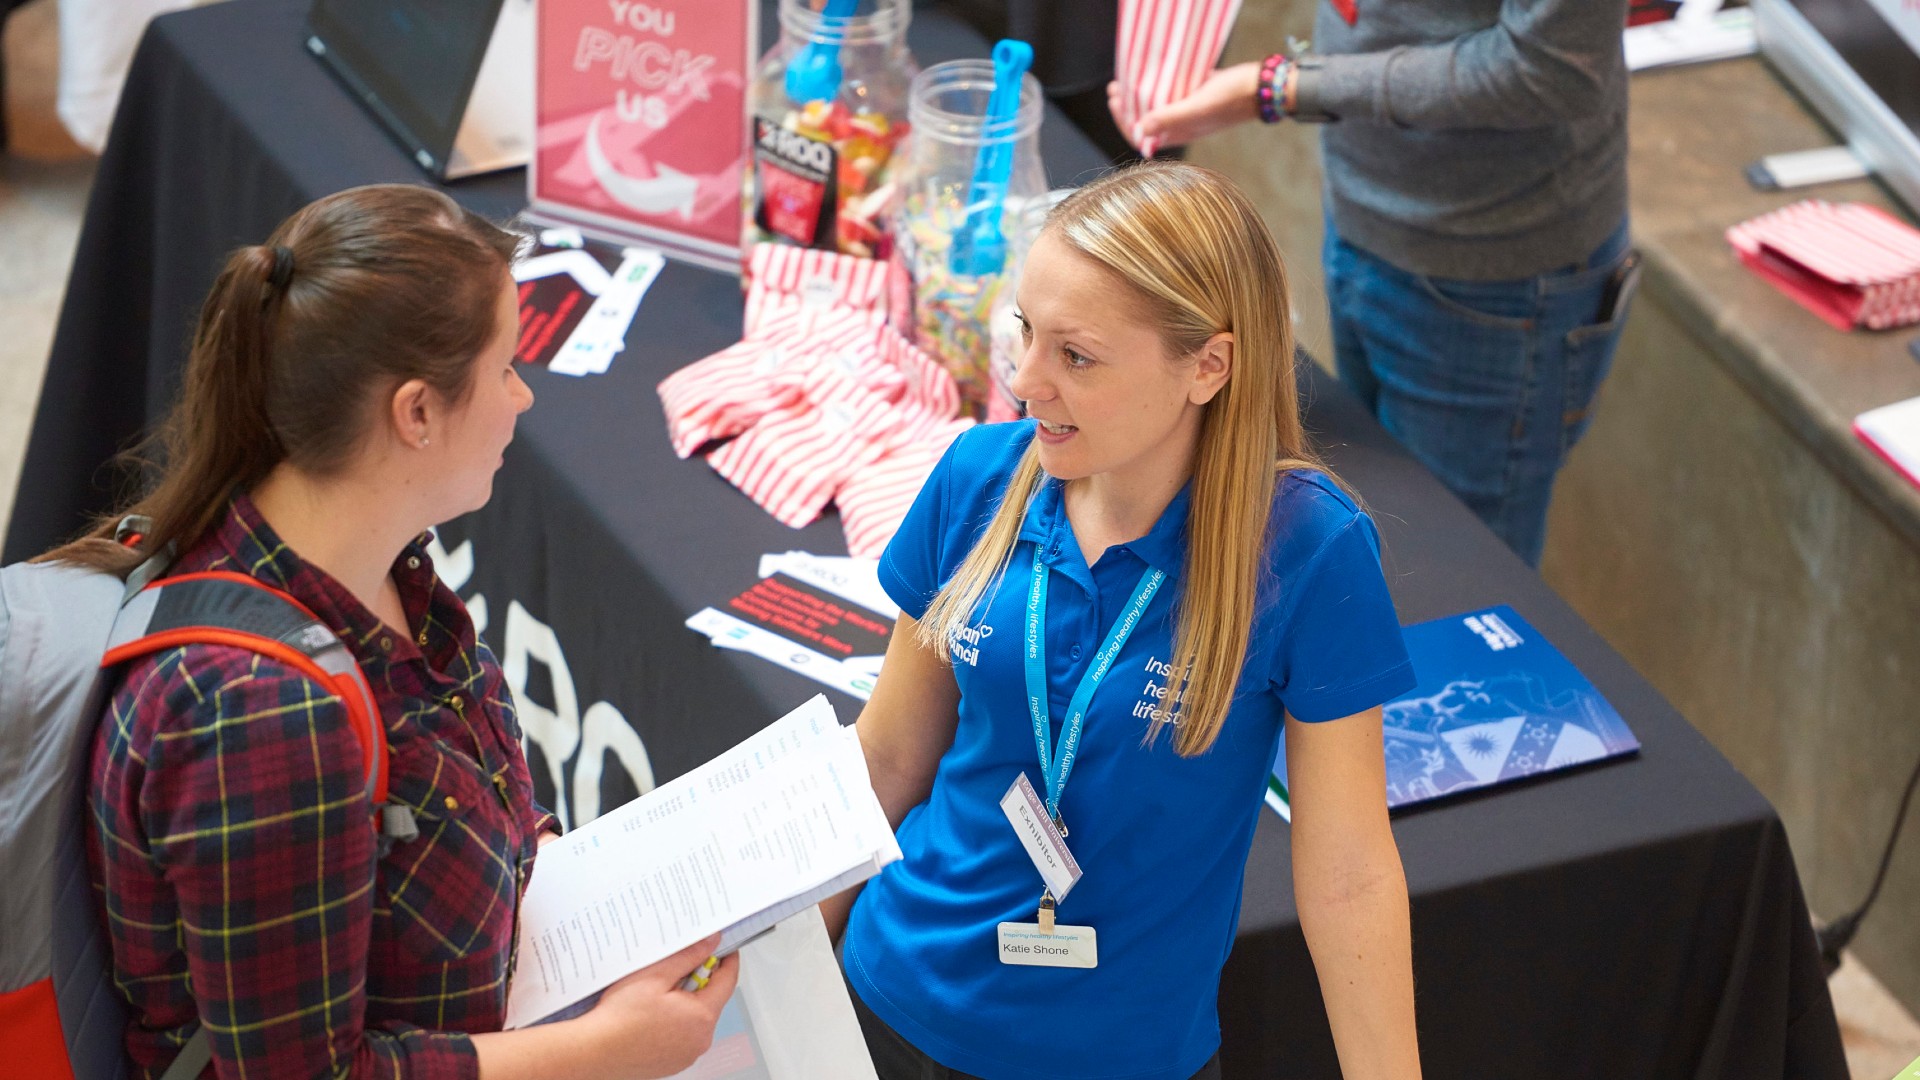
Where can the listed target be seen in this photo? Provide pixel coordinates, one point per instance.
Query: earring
(423, 442)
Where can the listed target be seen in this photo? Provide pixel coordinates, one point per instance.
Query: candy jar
(968, 188)
(1006, 341)
(829, 105)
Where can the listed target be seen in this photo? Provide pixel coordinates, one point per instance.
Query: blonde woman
(1112, 612)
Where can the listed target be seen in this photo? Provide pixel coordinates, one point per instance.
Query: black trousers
(894, 1058)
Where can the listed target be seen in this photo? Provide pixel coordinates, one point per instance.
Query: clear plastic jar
(821, 164)
(1006, 342)
(947, 313)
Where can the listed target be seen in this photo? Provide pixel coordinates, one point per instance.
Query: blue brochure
(1495, 702)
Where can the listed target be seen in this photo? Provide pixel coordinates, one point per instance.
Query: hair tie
(282, 267)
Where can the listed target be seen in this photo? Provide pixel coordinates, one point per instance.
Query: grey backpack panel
(57, 623)
(93, 1015)
(54, 624)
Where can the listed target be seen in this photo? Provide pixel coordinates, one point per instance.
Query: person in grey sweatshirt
(1477, 257)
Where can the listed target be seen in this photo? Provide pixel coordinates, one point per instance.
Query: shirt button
(453, 803)
(422, 638)
(386, 644)
(1074, 652)
(413, 562)
(455, 701)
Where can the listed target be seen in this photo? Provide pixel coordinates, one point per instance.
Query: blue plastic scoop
(814, 72)
(980, 247)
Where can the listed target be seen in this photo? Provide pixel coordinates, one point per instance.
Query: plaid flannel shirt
(232, 851)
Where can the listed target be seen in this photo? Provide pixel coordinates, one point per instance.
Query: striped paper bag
(728, 392)
(875, 499)
(1849, 263)
(783, 279)
(1166, 49)
(797, 456)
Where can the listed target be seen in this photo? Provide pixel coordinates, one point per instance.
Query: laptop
(450, 80)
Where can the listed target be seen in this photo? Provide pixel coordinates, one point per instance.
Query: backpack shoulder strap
(192, 1059)
(220, 607)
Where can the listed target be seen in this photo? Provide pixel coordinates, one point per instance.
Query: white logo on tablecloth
(563, 733)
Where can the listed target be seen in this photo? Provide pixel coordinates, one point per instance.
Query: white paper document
(793, 1018)
(769, 828)
(1689, 39)
(1893, 431)
(845, 576)
(603, 331)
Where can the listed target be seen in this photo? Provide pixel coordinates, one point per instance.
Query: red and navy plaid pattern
(232, 851)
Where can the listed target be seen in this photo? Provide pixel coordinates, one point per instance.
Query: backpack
(63, 630)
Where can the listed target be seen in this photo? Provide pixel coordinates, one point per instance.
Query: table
(1721, 479)
(1639, 919)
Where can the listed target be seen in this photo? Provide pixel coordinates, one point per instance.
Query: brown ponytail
(299, 337)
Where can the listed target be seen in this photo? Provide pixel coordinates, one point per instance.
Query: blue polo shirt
(1162, 839)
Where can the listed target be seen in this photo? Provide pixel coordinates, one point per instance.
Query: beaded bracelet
(1273, 75)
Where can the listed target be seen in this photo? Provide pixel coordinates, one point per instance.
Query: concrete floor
(44, 181)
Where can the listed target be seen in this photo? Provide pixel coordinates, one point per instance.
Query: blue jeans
(1486, 383)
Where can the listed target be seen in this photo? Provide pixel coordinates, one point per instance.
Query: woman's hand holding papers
(649, 1027)
(643, 1027)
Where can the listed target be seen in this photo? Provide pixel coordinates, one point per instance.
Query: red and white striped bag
(797, 456)
(726, 393)
(929, 386)
(783, 278)
(875, 500)
(1166, 49)
(1849, 263)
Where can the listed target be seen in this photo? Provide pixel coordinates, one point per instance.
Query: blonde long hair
(1201, 262)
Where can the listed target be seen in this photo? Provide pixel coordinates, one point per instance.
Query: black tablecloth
(1638, 919)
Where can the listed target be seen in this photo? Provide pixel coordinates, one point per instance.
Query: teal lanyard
(1056, 766)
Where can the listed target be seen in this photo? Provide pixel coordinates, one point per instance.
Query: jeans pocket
(1589, 354)
(1501, 305)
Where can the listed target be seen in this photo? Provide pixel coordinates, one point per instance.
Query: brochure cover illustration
(1495, 702)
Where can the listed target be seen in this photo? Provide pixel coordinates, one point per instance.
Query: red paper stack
(1849, 263)
(1166, 49)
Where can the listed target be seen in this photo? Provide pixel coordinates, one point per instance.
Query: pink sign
(640, 111)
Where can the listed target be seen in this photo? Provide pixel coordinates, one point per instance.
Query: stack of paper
(773, 826)
(1893, 431)
(603, 331)
(1849, 263)
(1689, 39)
(576, 304)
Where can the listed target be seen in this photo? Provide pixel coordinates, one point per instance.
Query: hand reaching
(1225, 99)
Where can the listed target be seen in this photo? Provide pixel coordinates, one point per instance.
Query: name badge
(1044, 844)
(1063, 946)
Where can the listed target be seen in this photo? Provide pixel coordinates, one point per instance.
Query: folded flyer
(824, 617)
(1496, 702)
